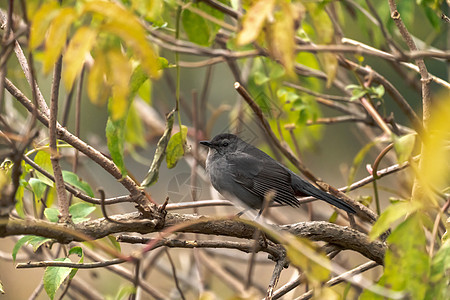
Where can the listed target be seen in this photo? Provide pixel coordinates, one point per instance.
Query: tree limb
(344, 237)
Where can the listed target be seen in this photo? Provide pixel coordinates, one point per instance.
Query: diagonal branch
(107, 164)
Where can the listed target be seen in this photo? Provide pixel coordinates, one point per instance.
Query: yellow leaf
(41, 21)
(79, 46)
(137, 41)
(325, 33)
(304, 254)
(57, 36)
(281, 38)
(254, 20)
(330, 63)
(97, 81)
(435, 164)
(119, 78)
(150, 9)
(124, 24)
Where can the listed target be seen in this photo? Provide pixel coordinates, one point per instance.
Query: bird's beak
(206, 143)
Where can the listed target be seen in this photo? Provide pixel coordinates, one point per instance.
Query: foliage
(306, 65)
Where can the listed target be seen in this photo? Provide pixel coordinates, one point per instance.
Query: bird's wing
(262, 176)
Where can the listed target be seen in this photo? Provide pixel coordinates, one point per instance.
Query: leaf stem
(177, 59)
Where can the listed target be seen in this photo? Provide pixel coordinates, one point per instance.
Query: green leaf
(176, 146)
(145, 91)
(365, 200)
(390, 215)
(76, 251)
(51, 197)
(79, 46)
(54, 277)
(432, 17)
(115, 137)
(137, 80)
(264, 103)
(379, 91)
(38, 187)
(112, 239)
(51, 214)
(195, 27)
(80, 211)
(38, 241)
(260, 78)
(357, 161)
(333, 217)
(287, 96)
(439, 280)
(125, 292)
(152, 174)
(22, 241)
(404, 146)
(42, 158)
(164, 63)
(407, 263)
(134, 133)
(19, 201)
(73, 179)
(276, 71)
(407, 12)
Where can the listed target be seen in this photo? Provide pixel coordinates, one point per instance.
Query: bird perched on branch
(243, 173)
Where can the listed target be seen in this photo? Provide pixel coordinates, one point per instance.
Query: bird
(246, 175)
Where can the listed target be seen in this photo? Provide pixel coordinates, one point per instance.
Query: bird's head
(224, 143)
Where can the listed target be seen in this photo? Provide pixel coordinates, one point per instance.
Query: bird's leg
(242, 212)
(260, 212)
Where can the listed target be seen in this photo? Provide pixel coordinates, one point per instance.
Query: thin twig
(390, 89)
(174, 274)
(343, 277)
(223, 8)
(279, 266)
(105, 215)
(74, 191)
(126, 274)
(51, 263)
(436, 226)
(222, 274)
(243, 246)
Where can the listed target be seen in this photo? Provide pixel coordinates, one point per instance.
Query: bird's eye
(225, 144)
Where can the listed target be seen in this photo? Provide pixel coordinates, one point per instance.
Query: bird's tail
(303, 187)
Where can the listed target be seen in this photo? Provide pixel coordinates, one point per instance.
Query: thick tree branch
(344, 237)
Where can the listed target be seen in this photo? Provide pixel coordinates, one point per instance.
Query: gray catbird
(240, 171)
